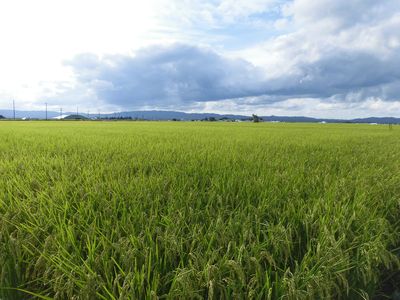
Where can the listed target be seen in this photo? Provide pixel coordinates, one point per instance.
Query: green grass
(140, 210)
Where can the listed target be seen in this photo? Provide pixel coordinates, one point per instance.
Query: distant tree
(212, 119)
(256, 118)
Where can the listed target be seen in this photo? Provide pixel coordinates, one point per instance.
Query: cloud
(168, 74)
(339, 15)
(312, 107)
(181, 74)
(217, 13)
(327, 52)
(334, 48)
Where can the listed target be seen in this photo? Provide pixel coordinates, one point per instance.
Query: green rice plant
(166, 210)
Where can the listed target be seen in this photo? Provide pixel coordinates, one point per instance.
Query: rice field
(190, 210)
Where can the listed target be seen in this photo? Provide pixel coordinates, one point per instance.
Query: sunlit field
(194, 210)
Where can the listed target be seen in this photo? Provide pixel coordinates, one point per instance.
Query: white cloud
(36, 36)
(329, 56)
(175, 74)
(215, 13)
(311, 107)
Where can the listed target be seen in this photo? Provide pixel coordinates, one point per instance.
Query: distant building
(60, 117)
(71, 117)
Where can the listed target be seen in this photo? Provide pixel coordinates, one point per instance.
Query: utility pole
(77, 112)
(88, 114)
(60, 113)
(14, 109)
(46, 111)
(99, 114)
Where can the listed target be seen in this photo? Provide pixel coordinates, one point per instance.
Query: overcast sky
(320, 58)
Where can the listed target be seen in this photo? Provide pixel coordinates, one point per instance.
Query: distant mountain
(300, 119)
(19, 114)
(383, 120)
(169, 115)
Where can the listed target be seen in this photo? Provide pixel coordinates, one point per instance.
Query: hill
(164, 115)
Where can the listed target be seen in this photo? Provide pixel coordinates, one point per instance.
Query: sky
(337, 59)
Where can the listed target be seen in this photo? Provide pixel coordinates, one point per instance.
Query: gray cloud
(180, 74)
(344, 72)
(173, 74)
(340, 14)
(344, 51)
